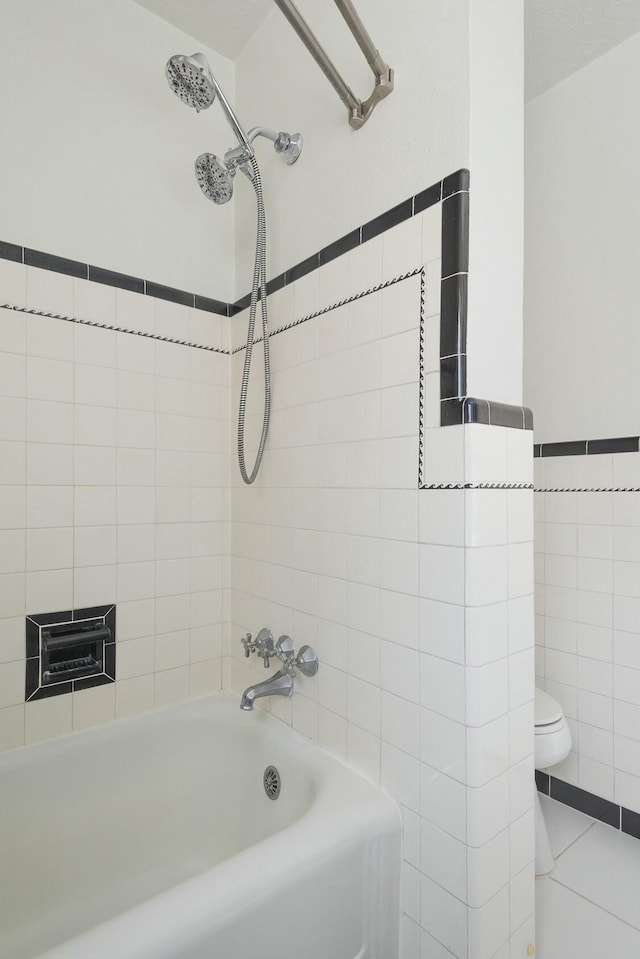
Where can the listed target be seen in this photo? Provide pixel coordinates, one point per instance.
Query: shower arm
(359, 110)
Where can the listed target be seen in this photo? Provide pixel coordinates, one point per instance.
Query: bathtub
(153, 838)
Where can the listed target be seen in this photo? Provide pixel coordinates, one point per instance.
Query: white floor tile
(564, 824)
(569, 927)
(604, 867)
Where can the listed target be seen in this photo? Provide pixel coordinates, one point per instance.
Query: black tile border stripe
(470, 409)
(614, 444)
(389, 218)
(602, 810)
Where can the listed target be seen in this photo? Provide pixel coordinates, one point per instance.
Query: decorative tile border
(453, 192)
(458, 486)
(115, 329)
(587, 489)
(588, 803)
(616, 444)
(343, 302)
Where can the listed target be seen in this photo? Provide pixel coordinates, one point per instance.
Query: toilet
(552, 745)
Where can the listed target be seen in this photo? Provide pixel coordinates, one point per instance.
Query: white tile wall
(418, 602)
(588, 616)
(113, 483)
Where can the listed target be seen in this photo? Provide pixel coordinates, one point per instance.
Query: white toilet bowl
(552, 745)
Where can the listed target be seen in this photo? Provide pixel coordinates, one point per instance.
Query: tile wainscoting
(391, 527)
(587, 546)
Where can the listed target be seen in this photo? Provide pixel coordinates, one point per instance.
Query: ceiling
(561, 36)
(222, 25)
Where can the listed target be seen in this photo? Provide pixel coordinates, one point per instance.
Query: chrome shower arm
(262, 132)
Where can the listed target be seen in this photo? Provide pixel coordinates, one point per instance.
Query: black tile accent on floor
(543, 782)
(380, 224)
(453, 314)
(454, 183)
(631, 823)
(124, 282)
(455, 234)
(10, 251)
(58, 264)
(572, 448)
(170, 293)
(586, 802)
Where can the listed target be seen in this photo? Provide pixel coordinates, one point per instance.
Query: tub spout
(280, 684)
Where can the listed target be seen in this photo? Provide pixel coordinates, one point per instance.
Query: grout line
(591, 902)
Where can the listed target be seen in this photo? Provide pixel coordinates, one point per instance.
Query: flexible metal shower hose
(258, 291)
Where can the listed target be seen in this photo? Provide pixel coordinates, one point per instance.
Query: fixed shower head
(191, 80)
(214, 178)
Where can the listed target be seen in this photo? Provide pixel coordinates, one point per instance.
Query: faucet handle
(286, 653)
(248, 644)
(264, 645)
(307, 661)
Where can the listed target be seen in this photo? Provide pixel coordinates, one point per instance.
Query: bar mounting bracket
(358, 110)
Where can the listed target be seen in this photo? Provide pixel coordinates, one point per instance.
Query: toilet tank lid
(547, 710)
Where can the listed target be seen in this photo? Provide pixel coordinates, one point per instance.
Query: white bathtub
(153, 839)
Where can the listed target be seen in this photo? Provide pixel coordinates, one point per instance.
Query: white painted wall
(344, 178)
(582, 241)
(457, 103)
(97, 155)
(494, 338)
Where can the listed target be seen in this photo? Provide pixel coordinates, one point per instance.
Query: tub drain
(271, 782)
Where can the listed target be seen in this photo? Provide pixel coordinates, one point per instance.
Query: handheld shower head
(215, 179)
(191, 80)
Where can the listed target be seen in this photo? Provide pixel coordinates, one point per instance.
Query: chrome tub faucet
(281, 683)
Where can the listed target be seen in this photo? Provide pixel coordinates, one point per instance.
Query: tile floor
(589, 905)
